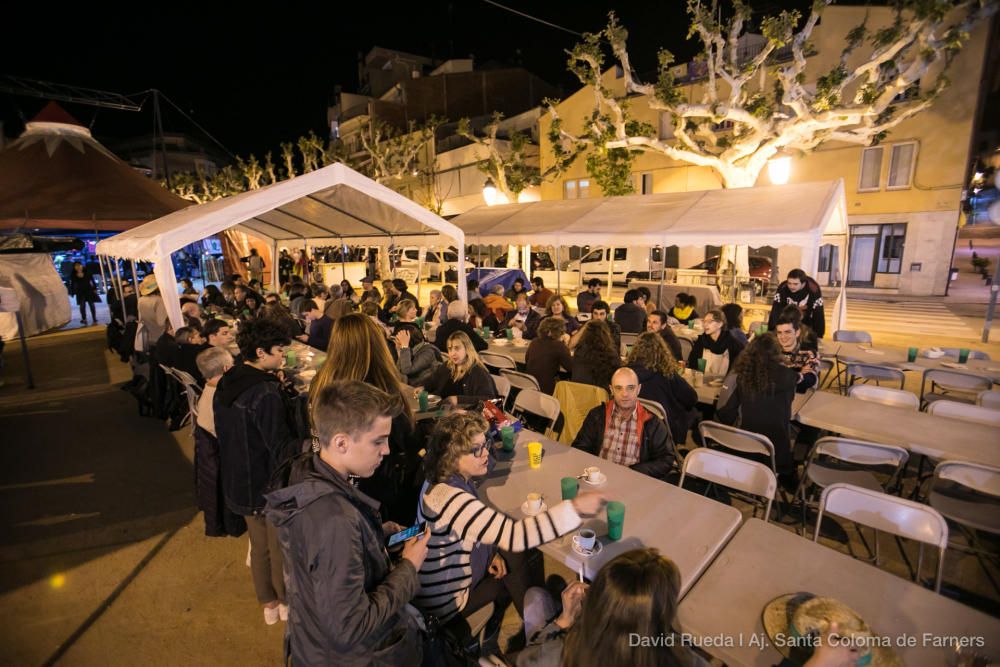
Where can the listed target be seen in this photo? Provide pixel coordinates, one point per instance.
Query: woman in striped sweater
(476, 554)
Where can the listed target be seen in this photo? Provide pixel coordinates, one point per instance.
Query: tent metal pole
(558, 268)
(135, 279)
(275, 287)
(663, 274)
(117, 280)
(104, 280)
(611, 259)
(343, 260)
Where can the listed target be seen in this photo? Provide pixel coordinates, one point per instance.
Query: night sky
(254, 78)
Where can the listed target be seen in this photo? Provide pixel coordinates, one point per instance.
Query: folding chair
(896, 397)
(520, 380)
(503, 386)
(989, 399)
(496, 362)
(952, 385)
(882, 512)
(534, 402)
(971, 413)
(654, 407)
(686, 348)
(846, 336)
(738, 440)
(868, 372)
(629, 338)
(732, 472)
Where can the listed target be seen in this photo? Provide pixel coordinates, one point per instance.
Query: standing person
(596, 357)
(716, 346)
(83, 287)
(548, 353)
(256, 434)
(462, 379)
(624, 432)
(585, 299)
(152, 312)
(348, 599)
(761, 402)
(285, 265)
(300, 265)
(659, 323)
(557, 307)
(630, 316)
(683, 309)
(358, 351)
(804, 293)
(540, 297)
(660, 379)
(255, 266)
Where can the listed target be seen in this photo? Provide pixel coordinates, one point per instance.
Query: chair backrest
(955, 381)
(733, 472)
(976, 476)
(520, 380)
(537, 403)
(502, 384)
(846, 336)
(737, 439)
(964, 411)
(885, 395)
(497, 361)
(654, 407)
(989, 399)
(886, 513)
(973, 354)
(576, 400)
(861, 452)
(857, 371)
(686, 348)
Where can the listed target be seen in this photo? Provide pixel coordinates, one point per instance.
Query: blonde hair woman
(463, 378)
(358, 351)
(660, 380)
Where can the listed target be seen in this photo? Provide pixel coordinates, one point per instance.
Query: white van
(439, 264)
(630, 263)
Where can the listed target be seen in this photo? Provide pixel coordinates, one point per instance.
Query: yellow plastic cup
(535, 454)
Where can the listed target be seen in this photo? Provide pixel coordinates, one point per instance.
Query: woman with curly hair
(548, 353)
(660, 380)
(762, 401)
(358, 351)
(595, 358)
(557, 307)
(475, 554)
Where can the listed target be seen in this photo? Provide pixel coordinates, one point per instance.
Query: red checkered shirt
(621, 437)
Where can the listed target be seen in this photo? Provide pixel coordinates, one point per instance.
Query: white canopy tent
(333, 204)
(801, 214)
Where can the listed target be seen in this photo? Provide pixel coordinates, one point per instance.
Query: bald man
(624, 432)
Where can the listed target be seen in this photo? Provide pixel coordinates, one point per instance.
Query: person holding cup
(717, 347)
(476, 554)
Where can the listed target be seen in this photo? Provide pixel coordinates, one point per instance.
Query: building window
(647, 184)
(890, 256)
(871, 169)
(576, 189)
(901, 161)
(621, 254)
(825, 258)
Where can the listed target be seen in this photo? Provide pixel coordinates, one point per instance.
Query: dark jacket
(585, 301)
(418, 362)
(531, 322)
(256, 429)
(725, 343)
(83, 288)
(809, 300)
(187, 355)
(768, 414)
(656, 447)
(677, 397)
(219, 521)
(631, 317)
(347, 601)
(543, 360)
(670, 338)
(319, 333)
(476, 385)
(396, 483)
(453, 325)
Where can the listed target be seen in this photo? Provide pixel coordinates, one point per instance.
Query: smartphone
(404, 535)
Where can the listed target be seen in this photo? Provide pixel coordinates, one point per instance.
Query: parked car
(760, 271)
(630, 263)
(435, 262)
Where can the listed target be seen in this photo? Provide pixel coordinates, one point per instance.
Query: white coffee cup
(585, 539)
(593, 474)
(534, 501)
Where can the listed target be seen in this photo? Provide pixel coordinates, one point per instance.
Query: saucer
(580, 552)
(601, 479)
(528, 512)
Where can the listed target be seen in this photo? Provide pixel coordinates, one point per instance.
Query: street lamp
(490, 192)
(779, 169)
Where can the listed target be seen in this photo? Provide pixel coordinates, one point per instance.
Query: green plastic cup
(510, 333)
(420, 323)
(616, 520)
(690, 324)
(291, 358)
(422, 399)
(486, 332)
(963, 355)
(570, 486)
(911, 354)
(761, 330)
(509, 437)
(701, 364)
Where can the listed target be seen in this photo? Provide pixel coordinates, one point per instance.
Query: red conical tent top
(57, 176)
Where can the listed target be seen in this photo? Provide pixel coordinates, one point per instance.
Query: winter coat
(768, 414)
(676, 396)
(347, 601)
(453, 325)
(219, 521)
(809, 300)
(83, 288)
(656, 447)
(255, 424)
(476, 385)
(418, 363)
